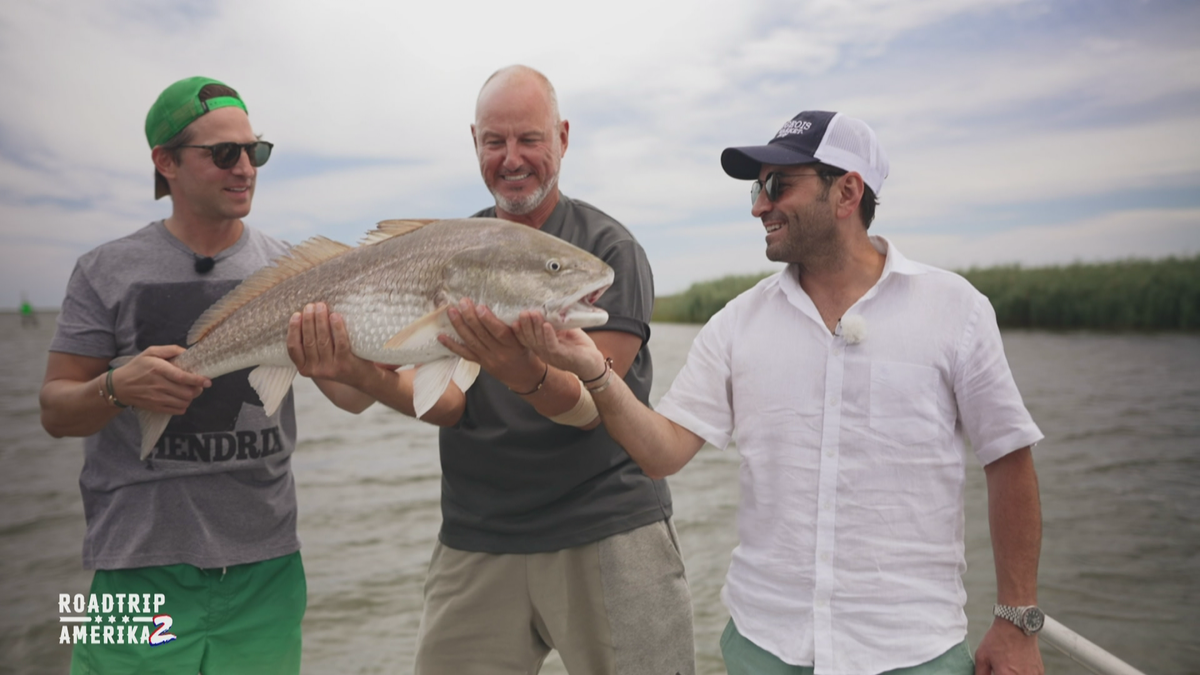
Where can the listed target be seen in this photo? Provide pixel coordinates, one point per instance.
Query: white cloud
(654, 92)
(1041, 165)
(1144, 233)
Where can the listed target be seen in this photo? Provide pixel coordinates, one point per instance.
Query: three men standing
(850, 383)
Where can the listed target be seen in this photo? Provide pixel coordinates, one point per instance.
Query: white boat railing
(1083, 651)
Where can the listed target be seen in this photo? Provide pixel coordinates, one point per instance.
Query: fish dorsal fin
(386, 229)
(300, 258)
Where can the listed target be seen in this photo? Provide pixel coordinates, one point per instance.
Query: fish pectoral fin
(153, 425)
(423, 331)
(465, 374)
(431, 381)
(271, 383)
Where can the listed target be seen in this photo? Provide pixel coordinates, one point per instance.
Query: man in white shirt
(850, 383)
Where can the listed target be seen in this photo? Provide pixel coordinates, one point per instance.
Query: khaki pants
(619, 605)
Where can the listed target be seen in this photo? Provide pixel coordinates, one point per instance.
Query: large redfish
(393, 291)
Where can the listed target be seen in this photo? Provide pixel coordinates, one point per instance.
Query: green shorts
(744, 657)
(240, 619)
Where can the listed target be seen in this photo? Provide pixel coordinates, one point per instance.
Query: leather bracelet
(535, 389)
(607, 375)
(607, 366)
(110, 396)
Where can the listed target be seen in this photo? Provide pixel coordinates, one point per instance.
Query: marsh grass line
(1134, 294)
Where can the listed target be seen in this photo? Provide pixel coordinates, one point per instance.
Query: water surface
(1119, 472)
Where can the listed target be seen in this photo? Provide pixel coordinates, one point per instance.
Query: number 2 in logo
(160, 635)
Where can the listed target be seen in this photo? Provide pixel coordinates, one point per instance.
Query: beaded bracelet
(535, 389)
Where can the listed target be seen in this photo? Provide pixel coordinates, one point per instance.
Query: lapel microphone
(204, 265)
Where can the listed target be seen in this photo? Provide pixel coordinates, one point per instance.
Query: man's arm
(550, 390)
(72, 404)
(659, 446)
(1015, 517)
(319, 345)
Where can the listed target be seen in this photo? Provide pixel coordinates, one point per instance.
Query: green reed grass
(1124, 295)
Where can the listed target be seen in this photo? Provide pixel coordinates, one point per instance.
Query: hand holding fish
(491, 343)
(571, 350)
(150, 382)
(319, 344)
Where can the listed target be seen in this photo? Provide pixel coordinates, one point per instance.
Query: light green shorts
(240, 619)
(743, 657)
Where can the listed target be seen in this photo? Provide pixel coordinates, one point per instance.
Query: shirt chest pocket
(904, 403)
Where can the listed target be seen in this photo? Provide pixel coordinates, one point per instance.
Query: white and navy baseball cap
(830, 138)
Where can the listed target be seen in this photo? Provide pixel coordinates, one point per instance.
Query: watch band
(1029, 618)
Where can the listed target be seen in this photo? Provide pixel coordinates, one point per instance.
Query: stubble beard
(211, 206)
(813, 240)
(525, 205)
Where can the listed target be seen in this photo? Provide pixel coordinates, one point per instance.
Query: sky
(1019, 132)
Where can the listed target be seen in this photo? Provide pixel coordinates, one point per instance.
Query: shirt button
(837, 351)
(833, 400)
(830, 453)
(824, 557)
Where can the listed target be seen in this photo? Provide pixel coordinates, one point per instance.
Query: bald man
(552, 537)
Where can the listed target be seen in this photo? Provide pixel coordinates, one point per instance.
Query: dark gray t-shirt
(218, 489)
(515, 482)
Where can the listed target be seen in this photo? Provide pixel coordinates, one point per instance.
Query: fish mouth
(579, 311)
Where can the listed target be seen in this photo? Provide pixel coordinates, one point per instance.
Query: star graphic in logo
(112, 619)
(125, 619)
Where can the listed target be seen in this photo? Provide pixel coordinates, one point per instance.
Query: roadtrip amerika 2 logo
(114, 619)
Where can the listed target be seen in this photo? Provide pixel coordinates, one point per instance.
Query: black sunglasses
(773, 187)
(226, 155)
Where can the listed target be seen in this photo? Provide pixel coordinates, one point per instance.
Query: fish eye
(553, 265)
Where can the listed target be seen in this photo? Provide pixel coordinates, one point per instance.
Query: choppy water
(1120, 478)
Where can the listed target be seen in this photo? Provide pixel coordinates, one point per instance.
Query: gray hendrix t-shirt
(515, 482)
(218, 488)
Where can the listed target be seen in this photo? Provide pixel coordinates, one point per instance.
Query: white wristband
(582, 414)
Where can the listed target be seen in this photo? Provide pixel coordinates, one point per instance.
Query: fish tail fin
(153, 425)
(430, 381)
(272, 383)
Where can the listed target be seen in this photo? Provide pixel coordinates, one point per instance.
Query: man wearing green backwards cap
(195, 550)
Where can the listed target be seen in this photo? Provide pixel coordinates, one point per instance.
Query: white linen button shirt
(852, 460)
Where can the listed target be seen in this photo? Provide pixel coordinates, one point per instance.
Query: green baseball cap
(179, 105)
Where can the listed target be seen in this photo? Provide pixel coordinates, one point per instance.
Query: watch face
(1033, 620)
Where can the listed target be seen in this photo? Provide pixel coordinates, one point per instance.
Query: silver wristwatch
(1028, 618)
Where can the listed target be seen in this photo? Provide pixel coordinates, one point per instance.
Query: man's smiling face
(520, 143)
